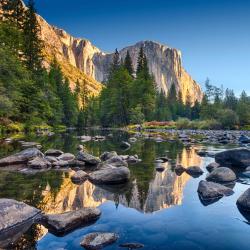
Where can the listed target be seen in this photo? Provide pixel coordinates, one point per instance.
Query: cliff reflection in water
(164, 190)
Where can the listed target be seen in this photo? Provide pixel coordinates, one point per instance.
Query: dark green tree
(128, 64)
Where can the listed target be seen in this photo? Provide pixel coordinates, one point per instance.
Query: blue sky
(213, 35)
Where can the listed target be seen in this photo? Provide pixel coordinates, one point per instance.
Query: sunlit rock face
(80, 59)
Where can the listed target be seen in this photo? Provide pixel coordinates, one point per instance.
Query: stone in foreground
(22, 157)
(66, 157)
(60, 224)
(194, 171)
(211, 190)
(79, 177)
(15, 219)
(221, 174)
(110, 175)
(107, 155)
(243, 201)
(88, 158)
(234, 157)
(97, 240)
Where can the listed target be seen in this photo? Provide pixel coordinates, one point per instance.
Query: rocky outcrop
(80, 59)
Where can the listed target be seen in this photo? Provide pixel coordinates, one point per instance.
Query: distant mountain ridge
(80, 59)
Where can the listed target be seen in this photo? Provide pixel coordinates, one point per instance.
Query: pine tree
(128, 64)
(33, 44)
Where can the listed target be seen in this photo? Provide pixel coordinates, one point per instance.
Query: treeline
(29, 94)
(132, 98)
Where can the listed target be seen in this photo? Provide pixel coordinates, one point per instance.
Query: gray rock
(132, 139)
(79, 177)
(22, 157)
(163, 158)
(15, 219)
(107, 155)
(88, 158)
(244, 139)
(116, 161)
(51, 159)
(210, 167)
(234, 157)
(60, 163)
(80, 147)
(60, 224)
(66, 157)
(53, 152)
(110, 175)
(39, 163)
(194, 171)
(85, 138)
(133, 159)
(243, 201)
(98, 240)
(211, 190)
(221, 174)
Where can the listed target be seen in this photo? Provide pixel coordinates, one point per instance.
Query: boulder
(160, 167)
(107, 155)
(132, 139)
(15, 219)
(221, 174)
(60, 224)
(211, 190)
(194, 171)
(210, 167)
(244, 139)
(22, 157)
(80, 147)
(110, 175)
(51, 159)
(85, 138)
(79, 177)
(133, 159)
(53, 152)
(234, 157)
(97, 240)
(60, 163)
(115, 161)
(243, 201)
(87, 158)
(66, 157)
(76, 163)
(163, 158)
(39, 163)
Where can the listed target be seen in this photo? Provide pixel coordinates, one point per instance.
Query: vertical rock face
(79, 56)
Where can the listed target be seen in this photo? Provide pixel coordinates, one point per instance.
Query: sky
(213, 35)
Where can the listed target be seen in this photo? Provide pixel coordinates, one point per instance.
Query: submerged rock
(221, 174)
(60, 224)
(39, 163)
(125, 145)
(244, 139)
(211, 190)
(212, 166)
(132, 245)
(98, 240)
(53, 152)
(110, 175)
(79, 177)
(243, 201)
(234, 157)
(194, 171)
(15, 219)
(22, 157)
(88, 158)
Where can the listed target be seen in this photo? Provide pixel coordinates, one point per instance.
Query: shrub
(183, 123)
(228, 118)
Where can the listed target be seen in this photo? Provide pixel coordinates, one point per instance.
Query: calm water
(159, 209)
